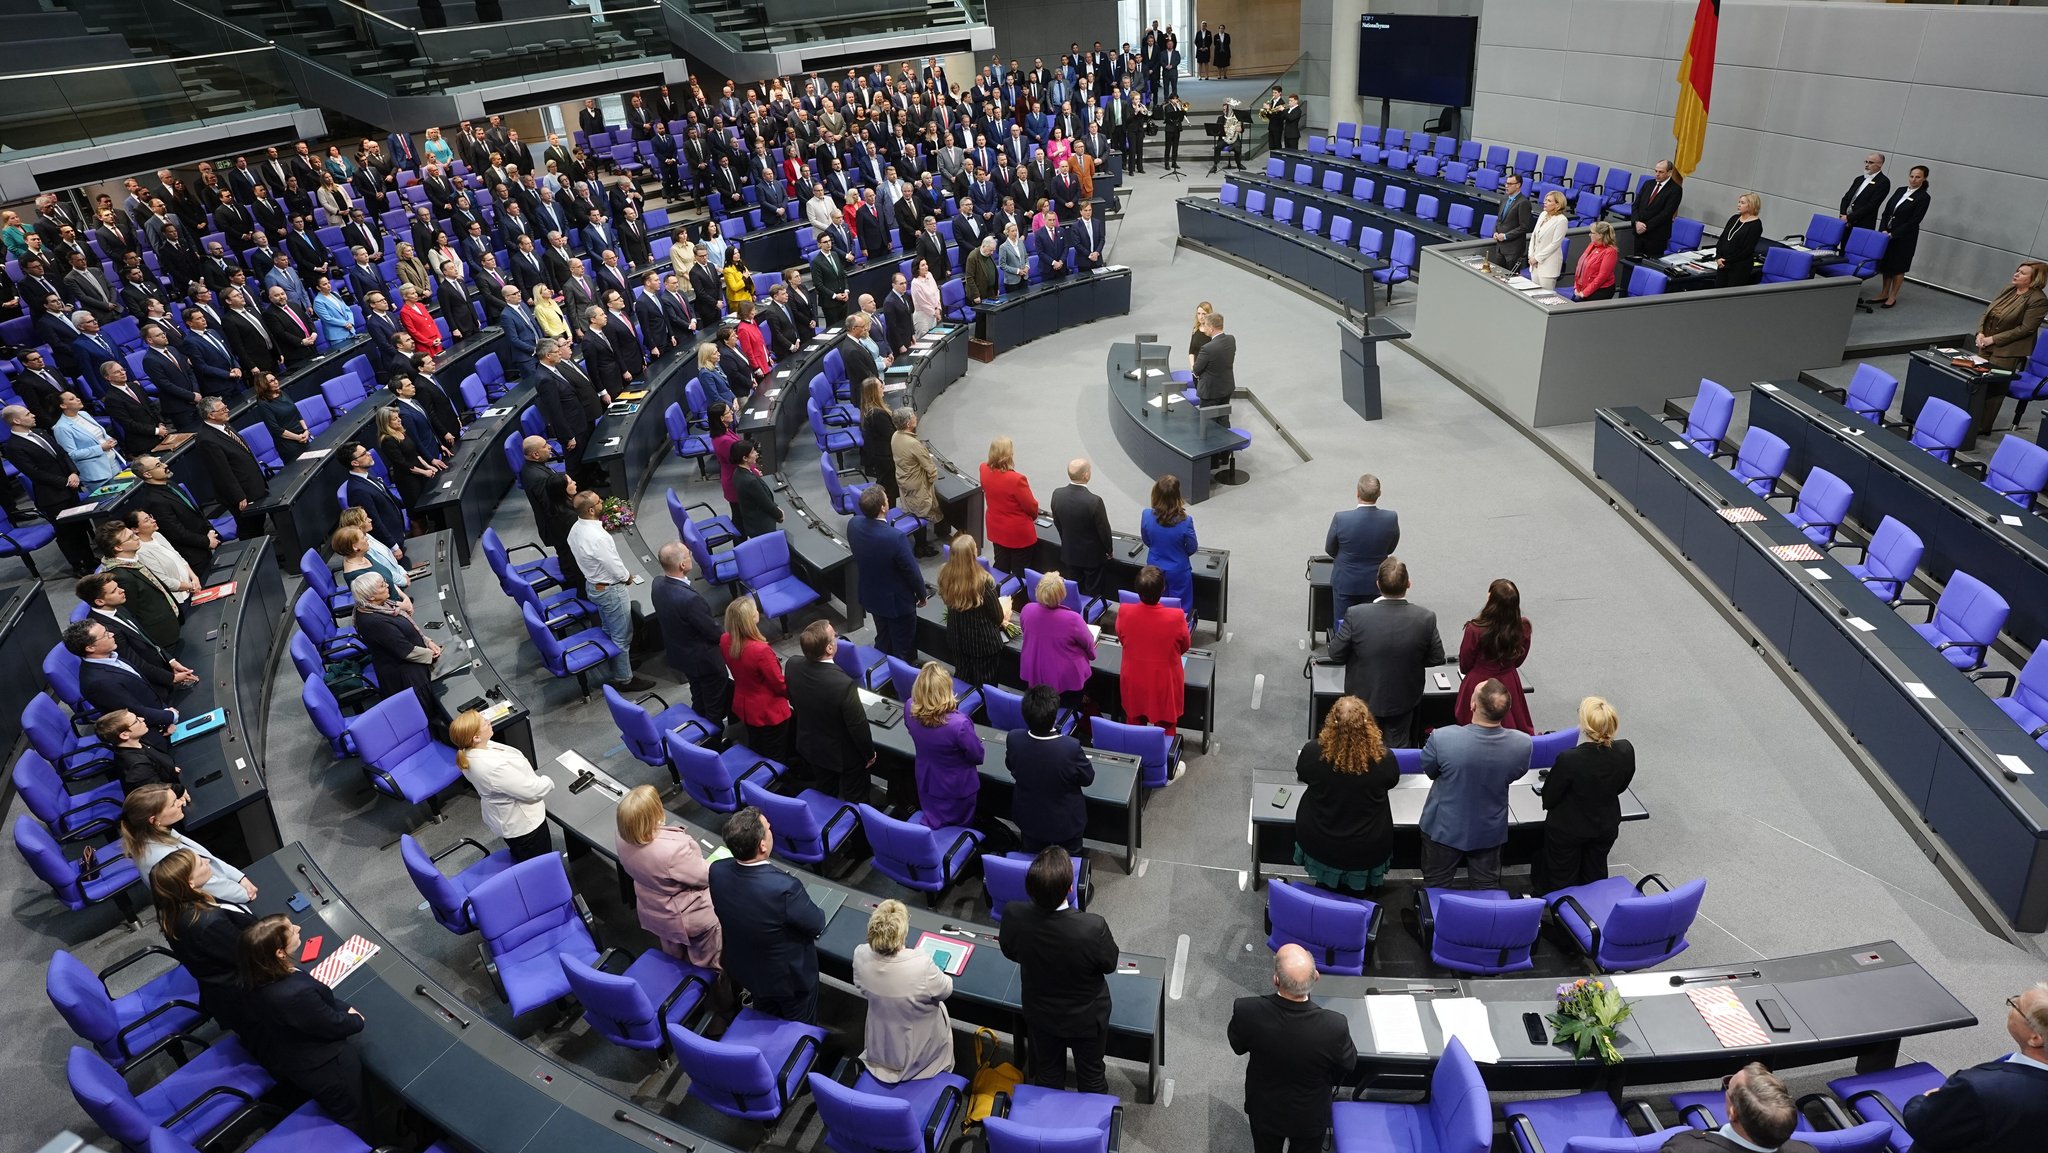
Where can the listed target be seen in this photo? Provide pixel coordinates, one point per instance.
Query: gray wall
(1801, 92)
(1027, 28)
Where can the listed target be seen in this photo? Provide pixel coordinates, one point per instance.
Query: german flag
(1695, 87)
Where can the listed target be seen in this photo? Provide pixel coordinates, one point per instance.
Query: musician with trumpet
(1274, 111)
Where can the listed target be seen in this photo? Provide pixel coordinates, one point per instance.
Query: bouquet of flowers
(1588, 1013)
(615, 514)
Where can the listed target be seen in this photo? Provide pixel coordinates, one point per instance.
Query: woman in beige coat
(916, 475)
(671, 880)
(909, 1034)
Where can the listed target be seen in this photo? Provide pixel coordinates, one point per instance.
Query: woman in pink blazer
(1058, 648)
(671, 880)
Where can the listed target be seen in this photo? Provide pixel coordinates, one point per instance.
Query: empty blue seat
(1482, 931)
(1457, 1117)
(2018, 470)
(1941, 429)
(1646, 281)
(1227, 194)
(1761, 460)
(1783, 264)
(2030, 382)
(1255, 202)
(755, 1068)
(529, 918)
(1713, 407)
(1822, 503)
(1860, 256)
(1337, 929)
(1963, 624)
(873, 1116)
(1889, 560)
(917, 856)
(1686, 234)
(1870, 393)
(1619, 926)
(1824, 233)
(2026, 695)
(1582, 1123)
(1400, 262)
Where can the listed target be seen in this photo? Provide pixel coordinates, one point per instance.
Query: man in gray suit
(1466, 815)
(1511, 233)
(1386, 645)
(1358, 540)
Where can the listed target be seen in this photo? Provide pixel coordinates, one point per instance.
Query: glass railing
(813, 34)
(206, 73)
(1256, 132)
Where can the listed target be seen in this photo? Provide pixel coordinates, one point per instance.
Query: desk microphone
(308, 878)
(1678, 981)
(1375, 990)
(625, 1118)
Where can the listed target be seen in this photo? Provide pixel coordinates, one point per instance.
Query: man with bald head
(1298, 1052)
(690, 634)
(1083, 524)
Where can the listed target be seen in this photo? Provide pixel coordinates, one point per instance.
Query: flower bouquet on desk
(615, 514)
(1588, 1014)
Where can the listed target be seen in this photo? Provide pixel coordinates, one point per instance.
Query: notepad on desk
(1465, 1018)
(215, 593)
(200, 725)
(948, 954)
(1396, 1024)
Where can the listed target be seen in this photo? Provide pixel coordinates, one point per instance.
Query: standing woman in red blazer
(1154, 636)
(1011, 509)
(1495, 645)
(760, 699)
(1594, 279)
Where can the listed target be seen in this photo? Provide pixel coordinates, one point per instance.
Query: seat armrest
(1592, 926)
(138, 955)
(1524, 1132)
(1883, 1102)
(512, 548)
(2010, 680)
(1646, 1115)
(1698, 1117)
(1116, 1129)
(121, 1038)
(668, 1003)
(250, 1103)
(590, 644)
(1920, 602)
(964, 840)
(1000, 1107)
(845, 813)
(173, 1044)
(1977, 468)
(1662, 885)
(756, 767)
(653, 697)
(451, 850)
(782, 1090)
(941, 1116)
(605, 959)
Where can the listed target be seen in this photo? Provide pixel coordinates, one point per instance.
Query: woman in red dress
(418, 321)
(1011, 511)
(1154, 636)
(760, 697)
(1495, 645)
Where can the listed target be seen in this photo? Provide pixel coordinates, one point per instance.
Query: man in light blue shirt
(1466, 816)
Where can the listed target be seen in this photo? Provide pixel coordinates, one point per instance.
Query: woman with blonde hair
(507, 786)
(711, 377)
(760, 697)
(671, 880)
(147, 838)
(1582, 801)
(949, 751)
(1594, 278)
(1011, 509)
(975, 612)
(1059, 650)
(1343, 827)
(410, 470)
(413, 273)
(1735, 252)
(1546, 241)
(909, 1035)
(1201, 335)
(547, 313)
(351, 546)
(356, 517)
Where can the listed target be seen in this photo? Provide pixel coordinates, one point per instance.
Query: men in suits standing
(832, 737)
(1358, 540)
(771, 925)
(209, 356)
(568, 399)
(177, 390)
(1866, 193)
(690, 633)
(153, 606)
(1763, 1116)
(291, 329)
(109, 682)
(1511, 232)
(366, 492)
(1386, 645)
(522, 335)
(1082, 521)
(828, 273)
(891, 585)
(142, 423)
(897, 316)
(2000, 1106)
(237, 478)
(1216, 369)
(177, 518)
(108, 597)
(1299, 1052)
(1654, 209)
(1047, 241)
(39, 388)
(1084, 235)
(784, 337)
(55, 482)
(1063, 958)
(1466, 815)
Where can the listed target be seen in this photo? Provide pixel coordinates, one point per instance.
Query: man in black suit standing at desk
(1299, 1052)
(832, 737)
(177, 518)
(1216, 370)
(1386, 645)
(1083, 524)
(771, 925)
(1359, 539)
(1761, 1115)
(237, 479)
(1866, 193)
(690, 633)
(1063, 956)
(1654, 209)
(1511, 232)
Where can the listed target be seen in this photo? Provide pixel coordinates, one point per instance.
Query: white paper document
(1171, 398)
(1862, 625)
(1635, 985)
(1919, 690)
(1396, 1026)
(1465, 1019)
(2013, 521)
(2015, 765)
(1767, 386)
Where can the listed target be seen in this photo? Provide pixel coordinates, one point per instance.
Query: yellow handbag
(991, 1076)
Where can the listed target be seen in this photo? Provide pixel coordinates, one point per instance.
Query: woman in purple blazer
(949, 751)
(1058, 648)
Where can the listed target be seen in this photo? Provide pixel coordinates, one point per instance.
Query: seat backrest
(1459, 1111)
(1005, 707)
(731, 1077)
(1312, 220)
(1333, 929)
(1283, 210)
(1255, 202)
(1712, 408)
(1333, 181)
(528, 901)
(1970, 610)
(1783, 264)
(1644, 281)
(1227, 194)
(857, 1122)
(636, 727)
(1303, 174)
(1825, 230)
(1362, 188)
(106, 1098)
(391, 730)
(1650, 928)
(1761, 459)
(1427, 206)
(48, 729)
(790, 817)
(1007, 1136)
(907, 851)
(1371, 241)
(2018, 469)
(60, 672)
(1871, 391)
(1395, 198)
(81, 999)
(1485, 936)
(1405, 249)
(1146, 742)
(444, 896)
(1543, 750)
(1002, 877)
(1275, 167)
(1866, 244)
(1686, 233)
(616, 1006)
(1340, 229)
(1824, 498)
(705, 776)
(1940, 428)
(1895, 553)
(763, 559)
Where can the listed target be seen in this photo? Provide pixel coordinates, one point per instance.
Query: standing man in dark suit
(522, 335)
(1082, 521)
(109, 600)
(1386, 645)
(364, 491)
(1216, 370)
(39, 388)
(568, 399)
(237, 479)
(1866, 193)
(1299, 1052)
(108, 682)
(177, 389)
(891, 585)
(784, 337)
(828, 275)
(1063, 957)
(1511, 232)
(1358, 540)
(1762, 1116)
(1470, 767)
(177, 518)
(690, 634)
(55, 483)
(2000, 1106)
(142, 422)
(1655, 208)
(832, 736)
(771, 925)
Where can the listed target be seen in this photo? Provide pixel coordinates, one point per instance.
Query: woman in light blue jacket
(337, 321)
(86, 442)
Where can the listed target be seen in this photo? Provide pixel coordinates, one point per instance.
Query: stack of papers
(1396, 1026)
(344, 961)
(1465, 1019)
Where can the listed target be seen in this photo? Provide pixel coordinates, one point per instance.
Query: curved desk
(1163, 438)
(1042, 309)
(28, 629)
(1337, 271)
(1416, 184)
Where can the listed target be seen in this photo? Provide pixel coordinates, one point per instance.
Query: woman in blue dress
(1169, 535)
(337, 320)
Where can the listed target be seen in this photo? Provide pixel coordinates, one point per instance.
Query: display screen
(1423, 59)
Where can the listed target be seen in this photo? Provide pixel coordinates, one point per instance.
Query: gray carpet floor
(1744, 787)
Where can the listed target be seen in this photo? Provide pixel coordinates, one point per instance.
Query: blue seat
(1482, 931)
(2030, 382)
(22, 540)
(1706, 1110)
(51, 734)
(764, 570)
(1544, 747)
(1713, 407)
(1255, 202)
(195, 1101)
(1456, 1118)
(918, 857)
(645, 734)
(1031, 1119)
(1646, 281)
(1860, 256)
(867, 665)
(1227, 195)
(1394, 198)
(2018, 470)
(573, 655)
(714, 529)
(1761, 460)
(634, 1009)
(684, 441)
(538, 575)
(70, 815)
(1824, 232)
(127, 1028)
(1784, 264)
(1889, 560)
(69, 882)
(448, 897)
(1941, 429)
(528, 916)
(1870, 393)
(1002, 881)
(872, 1116)
(1400, 262)
(1362, 189)
(1822, 504)
(303, 1130)
(1283, 210)
(1686, 234)
(756, 1067)
(1157, 750)
(1619, 926)
(1338, 930)
(1459, 218)
(809, 827)
(712, 777)
(836, 441)
(1963, 624)
(399, 752)
(1585, 1122)
(1882, 1096)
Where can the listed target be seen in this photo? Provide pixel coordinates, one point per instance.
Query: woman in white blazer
(506, 784)
(909, 1035)
(1546, 241)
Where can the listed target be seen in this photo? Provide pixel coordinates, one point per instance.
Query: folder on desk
(200, 725)
(215, 593)
(947, 953)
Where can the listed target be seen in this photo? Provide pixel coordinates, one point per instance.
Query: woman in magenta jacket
(1012, 511)
(949, 751)
(1059, 651)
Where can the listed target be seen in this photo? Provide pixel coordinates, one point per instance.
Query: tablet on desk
(204, 723)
